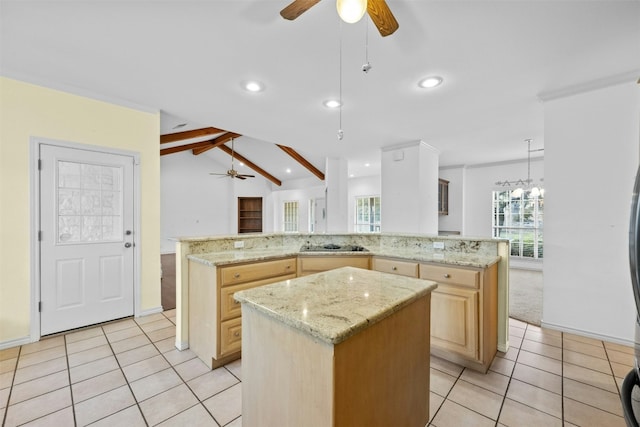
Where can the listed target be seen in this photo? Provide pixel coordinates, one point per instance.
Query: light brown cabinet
(214, 316)
(464, 314)
(316, 263)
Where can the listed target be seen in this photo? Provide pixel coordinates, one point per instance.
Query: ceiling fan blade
(297, 8)
(382, 17)
(214, 173)
(247, 176)
(240, 177)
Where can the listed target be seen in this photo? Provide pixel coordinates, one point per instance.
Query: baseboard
(182, 345)
(149, 311)
(15, 343)
(561, 328)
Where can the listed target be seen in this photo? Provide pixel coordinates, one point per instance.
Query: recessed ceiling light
(332, 103)
(288, 170)
(367, 164)
(429, 82)
(253, 86)
(351, 176)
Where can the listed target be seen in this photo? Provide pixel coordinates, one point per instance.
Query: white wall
(301, 191)
(454, 221)
(194, 203)
(479, 183)
(591, 155)
(409, 188)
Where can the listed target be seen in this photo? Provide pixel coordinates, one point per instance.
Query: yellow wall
(27, 110)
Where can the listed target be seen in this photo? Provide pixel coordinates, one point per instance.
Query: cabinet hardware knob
(236, 334)
(288, 267)
(236, 302)
(446, 275)
(236, 275)
(394, 268)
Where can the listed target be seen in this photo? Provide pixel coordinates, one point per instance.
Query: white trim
(607, 338)
(15, 342)
(408, 145)
(182, 345)
(628, 77)
(34, 248)
(149, 311)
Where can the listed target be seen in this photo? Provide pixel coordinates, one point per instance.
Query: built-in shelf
(249, 215)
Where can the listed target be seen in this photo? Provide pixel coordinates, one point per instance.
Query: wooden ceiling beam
(304, 162)
(251, 165)
(216, 142)
(185, 147)
(189, 134)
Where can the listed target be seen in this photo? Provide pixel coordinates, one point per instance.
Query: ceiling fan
(378, 11)
(232, 173)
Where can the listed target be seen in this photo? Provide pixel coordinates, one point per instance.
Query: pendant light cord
(340, 131)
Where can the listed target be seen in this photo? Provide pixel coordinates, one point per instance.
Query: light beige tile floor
(128, 373)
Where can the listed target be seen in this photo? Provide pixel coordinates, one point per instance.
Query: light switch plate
(438, 245)
(239, 244)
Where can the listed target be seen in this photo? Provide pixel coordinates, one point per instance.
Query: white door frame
(34, 211)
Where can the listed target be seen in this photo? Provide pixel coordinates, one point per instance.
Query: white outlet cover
(238, 245)
(438, 245)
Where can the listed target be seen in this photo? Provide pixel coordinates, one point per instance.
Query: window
(290, 221)
(367, 214)
(518, 216)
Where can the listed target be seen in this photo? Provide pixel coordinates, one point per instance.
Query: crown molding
(628, 77)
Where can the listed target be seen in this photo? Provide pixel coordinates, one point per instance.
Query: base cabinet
(464, 314)
(215, 332)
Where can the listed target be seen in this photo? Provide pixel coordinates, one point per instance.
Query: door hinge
(39, 235)
(39, 306)
(39, 164)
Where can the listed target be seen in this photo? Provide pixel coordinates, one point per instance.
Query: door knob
(127, 245)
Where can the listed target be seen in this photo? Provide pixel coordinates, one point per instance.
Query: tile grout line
(181, 379)
(506, 390)
(135, 399)
(13, 379)
(73, 405)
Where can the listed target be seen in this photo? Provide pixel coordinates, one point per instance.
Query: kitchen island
(341, 348)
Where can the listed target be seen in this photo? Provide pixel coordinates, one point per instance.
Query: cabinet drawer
(450, 275)
(235, 274)
(394, 266)
(230, 308)
(230, 336)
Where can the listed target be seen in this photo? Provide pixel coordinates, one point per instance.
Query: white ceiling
(189, 58)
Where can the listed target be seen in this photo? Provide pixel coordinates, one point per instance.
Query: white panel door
(86, 243)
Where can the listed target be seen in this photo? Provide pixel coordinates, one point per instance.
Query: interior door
(86, 239)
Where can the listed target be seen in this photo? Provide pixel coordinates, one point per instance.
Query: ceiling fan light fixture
(430, 82)
(351, 11)
(332, 103)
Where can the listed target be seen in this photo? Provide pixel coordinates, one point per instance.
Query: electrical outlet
(239, 244)
(438, 245)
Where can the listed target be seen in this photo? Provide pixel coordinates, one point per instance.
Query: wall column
(336, 181)
(409, 196)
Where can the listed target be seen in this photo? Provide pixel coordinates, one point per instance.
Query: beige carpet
(525, 295)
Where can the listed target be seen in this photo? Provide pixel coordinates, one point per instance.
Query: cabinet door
(230, 336)
(454, 320)
(316, 264)
(229, 307)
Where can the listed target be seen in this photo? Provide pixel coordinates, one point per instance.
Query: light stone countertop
(334, 305)
(213, 259)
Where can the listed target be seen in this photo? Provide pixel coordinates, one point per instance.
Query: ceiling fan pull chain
(366, 67)
(340, 131)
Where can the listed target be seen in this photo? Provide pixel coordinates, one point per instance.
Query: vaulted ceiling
(189, 59)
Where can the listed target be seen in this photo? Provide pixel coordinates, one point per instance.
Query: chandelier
(523, 185)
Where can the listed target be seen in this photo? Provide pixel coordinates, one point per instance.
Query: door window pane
(89, 203)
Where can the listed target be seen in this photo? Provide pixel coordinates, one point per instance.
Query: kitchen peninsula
(342, 348)
(469, 318)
